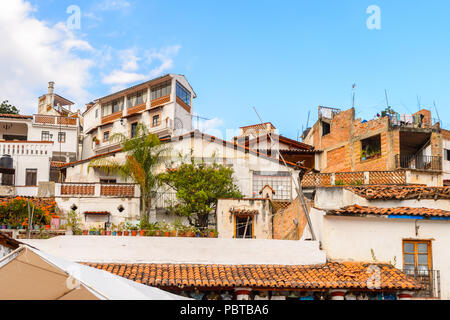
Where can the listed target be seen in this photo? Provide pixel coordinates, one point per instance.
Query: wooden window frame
(243, 217)
(415, 243)
(159, 120)
(30, 170)
(109, 135)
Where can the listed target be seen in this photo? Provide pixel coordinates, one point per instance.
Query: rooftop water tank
(6, 161)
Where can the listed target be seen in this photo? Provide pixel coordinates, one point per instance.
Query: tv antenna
(353, 95)
(386, 96)
(437, 112)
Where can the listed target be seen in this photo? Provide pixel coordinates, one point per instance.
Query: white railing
(19, 148)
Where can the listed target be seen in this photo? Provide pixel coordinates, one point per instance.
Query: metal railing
(430, 280)
(431, 163)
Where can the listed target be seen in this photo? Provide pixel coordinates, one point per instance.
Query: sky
(284, 58)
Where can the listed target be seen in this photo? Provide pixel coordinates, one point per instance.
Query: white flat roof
(120, 249)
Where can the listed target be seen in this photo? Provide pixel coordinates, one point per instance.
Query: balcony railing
(430, 280)
(55, 120)
(22, 148)
(429, 163)
(97, 190)
(412, 121)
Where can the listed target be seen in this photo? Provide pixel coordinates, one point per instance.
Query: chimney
(51, 86)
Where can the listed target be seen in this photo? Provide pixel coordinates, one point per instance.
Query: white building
(162, 104)
(34, 146)
(252, 171)
(406, 226)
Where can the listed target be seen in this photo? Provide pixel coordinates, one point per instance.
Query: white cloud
(211, 126)
(34, 52)
(113, 5)
(129, 58)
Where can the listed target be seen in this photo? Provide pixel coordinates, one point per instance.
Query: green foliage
(339, 182)
(198, 187)
(144, 154)
(73, 222)
(388, 112)
(6, 108)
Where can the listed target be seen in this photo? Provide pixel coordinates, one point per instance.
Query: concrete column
(97, 187)
(333, 179)
(366, 177)
(337, 294)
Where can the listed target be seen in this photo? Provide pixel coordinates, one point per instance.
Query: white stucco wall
(181, 250)
(446, 163)
(262, 222)
(353, 238)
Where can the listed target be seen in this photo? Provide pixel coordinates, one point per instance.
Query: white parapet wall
(103, 249)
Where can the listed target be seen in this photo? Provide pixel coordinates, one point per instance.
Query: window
(326, 128)
(447, 154)
(106, 136)
(183, 94)
(96, 113)
(112, 107)
(61, 137)
(161, 90)
(137, 98)
(280, 182)
(46, 136)
(371, 148)
(134, 129)
(155, 121)
(417, 256)
(244, 227)
(31, 177)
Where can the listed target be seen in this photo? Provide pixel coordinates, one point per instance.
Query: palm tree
(144, 153)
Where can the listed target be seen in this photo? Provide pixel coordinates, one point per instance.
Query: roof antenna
(387, 101)
(353, 95)
(418, 102)
(437, 112)
(298, 188)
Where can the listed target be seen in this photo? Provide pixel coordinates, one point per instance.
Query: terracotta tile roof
(57, 164)
(389, 192)
(15, 116)
(332, 275)
(245, 212)
(279, 204)
(356, 210)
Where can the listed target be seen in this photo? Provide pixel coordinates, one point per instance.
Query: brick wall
(283, 221)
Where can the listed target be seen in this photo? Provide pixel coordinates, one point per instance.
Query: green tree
(144, 153)
(198, 187)
(6, 108)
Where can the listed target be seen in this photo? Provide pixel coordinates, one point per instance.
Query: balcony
(430, 281)
(42, 119)
(97, 190)
(412, 121)
(413, 162)
(26, 148)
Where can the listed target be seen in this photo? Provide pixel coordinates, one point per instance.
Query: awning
(30, 274)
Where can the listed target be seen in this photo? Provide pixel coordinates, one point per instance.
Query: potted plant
(120, 229)
(102, 232)
(93, 231)
(191, 231)
(213, 233)
(85, 232)
(133, 228)
(113, 230)
(108, 232)
(96, 141)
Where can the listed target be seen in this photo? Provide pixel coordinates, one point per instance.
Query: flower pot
(198, 234)
(4, 226)
(47, 227)
(174, 233)
(85, 232)
(181, 234)
(108, 233)
(142, 233)
(167, 234)
(158, 233)
(37, 227)
(114, 233)
(134, 233)
(126, 233)
(119, 233)
(211, 235)
(190, 234)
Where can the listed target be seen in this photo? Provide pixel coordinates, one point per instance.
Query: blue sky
(283, 57)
